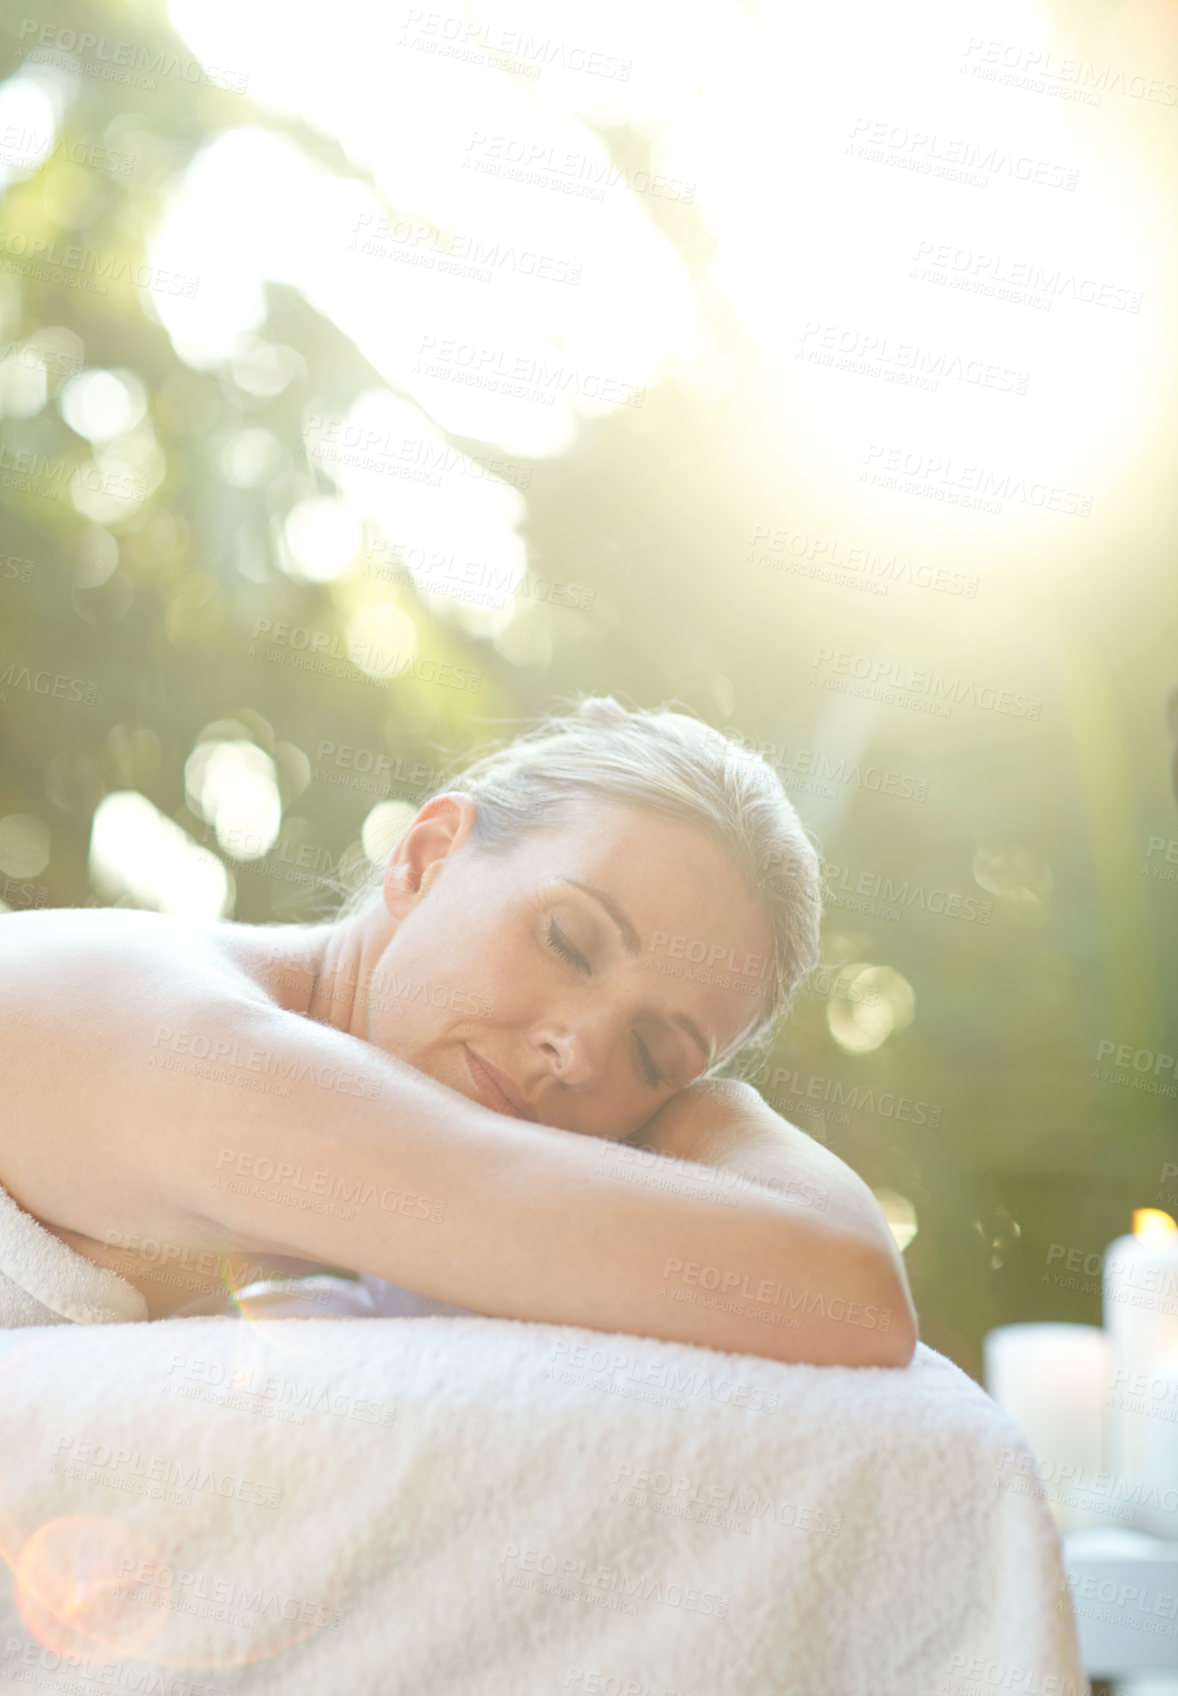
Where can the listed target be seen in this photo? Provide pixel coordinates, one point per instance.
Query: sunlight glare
(139, 855)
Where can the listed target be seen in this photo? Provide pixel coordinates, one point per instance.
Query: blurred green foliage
(1012, 1139)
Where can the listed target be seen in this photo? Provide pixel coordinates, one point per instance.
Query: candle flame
(1151, 1225)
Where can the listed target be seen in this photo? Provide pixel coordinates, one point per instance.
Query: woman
(461, 1082)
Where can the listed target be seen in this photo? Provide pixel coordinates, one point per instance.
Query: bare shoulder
(59, 962)
(79, 987)
(39, 945)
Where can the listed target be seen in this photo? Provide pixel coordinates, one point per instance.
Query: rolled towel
(45, 1282)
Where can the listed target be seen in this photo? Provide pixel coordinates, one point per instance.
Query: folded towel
(45, 1282)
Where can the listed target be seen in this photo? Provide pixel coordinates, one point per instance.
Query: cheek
(426, 985)
(461, 939)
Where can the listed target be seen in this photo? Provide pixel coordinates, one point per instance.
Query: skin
(506, 1197)
(588, 1042)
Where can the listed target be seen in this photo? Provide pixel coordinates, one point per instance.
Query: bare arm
(429, 1190)
(725, 1123)
(191, 1106)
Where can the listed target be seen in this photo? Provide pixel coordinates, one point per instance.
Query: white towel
(486, 1507)
(45, 1282)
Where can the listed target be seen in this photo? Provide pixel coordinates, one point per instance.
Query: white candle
(1053, 1382)
(1141, 1318)
(1159, 1506)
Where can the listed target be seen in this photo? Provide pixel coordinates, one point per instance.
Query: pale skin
(488, 1087)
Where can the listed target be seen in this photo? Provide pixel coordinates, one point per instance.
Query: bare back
(80, 1086)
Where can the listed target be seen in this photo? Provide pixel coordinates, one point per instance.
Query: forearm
(416, 1184)
(725, 1124)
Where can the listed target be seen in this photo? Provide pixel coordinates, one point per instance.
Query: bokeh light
(812, 370)
(138, 853)
(103, 404)
(233, 786)
(24, 845)
(880, 1002)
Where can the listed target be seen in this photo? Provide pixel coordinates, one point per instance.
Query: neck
(324, 971)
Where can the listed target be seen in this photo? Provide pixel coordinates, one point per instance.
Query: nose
(566, 1053)
(576, 1049)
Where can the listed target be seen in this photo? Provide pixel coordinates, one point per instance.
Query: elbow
(885, 1335)
(880, 1328)
(867, 1319)
(895, 1341)
(898, 1347)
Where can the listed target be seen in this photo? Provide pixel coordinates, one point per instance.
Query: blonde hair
(670, 763)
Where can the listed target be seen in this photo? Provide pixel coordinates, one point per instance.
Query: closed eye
(561, 945)
(652, 1075)
(560, 942)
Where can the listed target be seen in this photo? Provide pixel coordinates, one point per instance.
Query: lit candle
(1141, 1317)
(1053, 1382)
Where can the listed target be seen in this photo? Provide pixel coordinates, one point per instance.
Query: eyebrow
(633, 945)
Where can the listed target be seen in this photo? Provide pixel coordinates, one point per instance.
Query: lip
(494, 1087)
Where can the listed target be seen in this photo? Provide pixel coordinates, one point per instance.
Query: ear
(441, 828)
